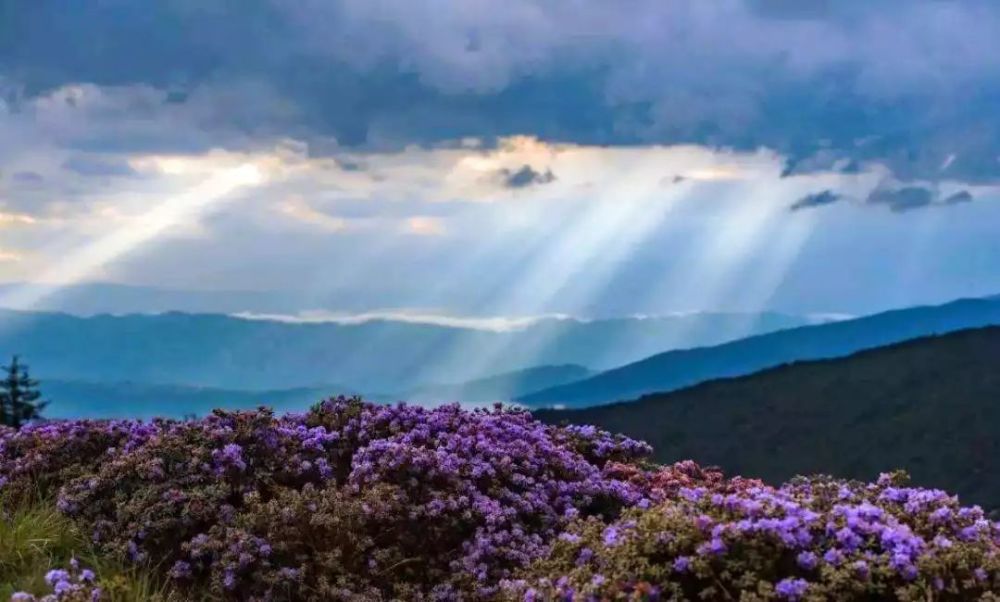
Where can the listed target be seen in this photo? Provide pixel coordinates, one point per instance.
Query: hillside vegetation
(352, 501)
(930, 406)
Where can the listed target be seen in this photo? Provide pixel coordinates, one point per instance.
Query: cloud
(917, 81)
(525, 176)
(902, 199)
(29, 178)
(425, 226)
(962, 196)
(816, 199)
(88, 165)
(16, 219)
(906, 198)
(298, 209)
(487, 323)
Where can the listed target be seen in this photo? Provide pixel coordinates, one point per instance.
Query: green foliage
(20, 399)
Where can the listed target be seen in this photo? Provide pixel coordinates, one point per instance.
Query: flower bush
(353, 501)
(347, 499)
(37, 459)
(811, 539)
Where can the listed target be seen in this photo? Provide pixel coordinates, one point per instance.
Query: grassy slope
(35, 537)
(930, 406)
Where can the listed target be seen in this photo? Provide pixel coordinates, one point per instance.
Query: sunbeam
(707, 270)
(81, 263)
(580, 260)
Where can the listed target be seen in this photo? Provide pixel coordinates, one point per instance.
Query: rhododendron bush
(353, 501)
(811, 539)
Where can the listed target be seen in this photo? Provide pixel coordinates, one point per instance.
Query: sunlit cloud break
(8, 219)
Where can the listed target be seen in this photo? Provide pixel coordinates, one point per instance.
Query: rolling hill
(681, 368)
(501, 387)
(83, 399)
(211, 350)
(930, 406)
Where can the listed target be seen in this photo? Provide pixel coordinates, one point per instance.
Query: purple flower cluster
(38, 458)
(818, 537)
(429, 502)
(358, 501)
(73, 585)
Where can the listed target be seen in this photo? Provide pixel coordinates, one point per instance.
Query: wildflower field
(354, 501)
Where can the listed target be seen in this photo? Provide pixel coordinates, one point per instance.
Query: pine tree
(19, 396)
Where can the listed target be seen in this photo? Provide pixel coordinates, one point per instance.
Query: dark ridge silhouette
(930, 406)
(682, 368)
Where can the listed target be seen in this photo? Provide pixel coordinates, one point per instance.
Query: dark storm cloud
(817, 199)
(525, 176)
(963, 196)
(897, 198)
(907, 198)
(902, 199)
(905, 84)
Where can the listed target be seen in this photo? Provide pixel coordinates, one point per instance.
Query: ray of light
(781, 245)
(917, 246)
(453, 273)
(583, 256)
(83, 262)
(710, 270)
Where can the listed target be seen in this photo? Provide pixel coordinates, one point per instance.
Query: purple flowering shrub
(184, 480)
(37, 459)
(347, 499)
(664, 482)
(811, 539)
(353, 501)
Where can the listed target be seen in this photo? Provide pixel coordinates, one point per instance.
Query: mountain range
(227, 352)
(930, 406)
(86, 399)
(684, 367)
(500, 387)
(71, 399)
(177, 363)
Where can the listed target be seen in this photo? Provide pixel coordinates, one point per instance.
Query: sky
(535, 157)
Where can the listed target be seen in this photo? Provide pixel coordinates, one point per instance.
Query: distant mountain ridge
(72, 399)
(680, 368)
(929, 405)
(501, 387)
(84, 399)
(226, 352)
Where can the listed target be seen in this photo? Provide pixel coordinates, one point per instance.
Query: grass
(35, 537)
